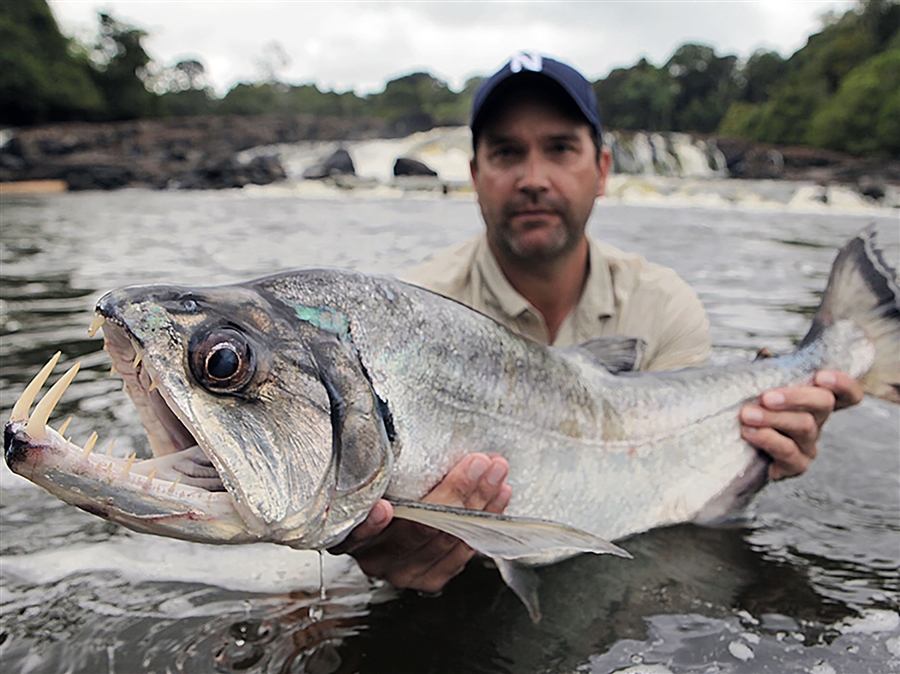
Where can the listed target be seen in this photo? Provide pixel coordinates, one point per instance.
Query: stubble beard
(513, 243)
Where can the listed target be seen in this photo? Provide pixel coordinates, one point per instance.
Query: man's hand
(787, 422)
(411, 555)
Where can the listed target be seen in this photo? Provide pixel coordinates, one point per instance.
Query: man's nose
(535, 176)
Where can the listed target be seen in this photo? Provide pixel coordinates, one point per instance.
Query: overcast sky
(362, 45)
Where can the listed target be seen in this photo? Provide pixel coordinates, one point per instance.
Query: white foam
(265, 568)
(871, 621)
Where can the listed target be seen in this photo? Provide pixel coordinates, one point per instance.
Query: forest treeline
(840, 91)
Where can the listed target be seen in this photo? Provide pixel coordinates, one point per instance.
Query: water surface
(809, 582)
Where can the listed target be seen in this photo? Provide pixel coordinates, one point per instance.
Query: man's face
(536, 173)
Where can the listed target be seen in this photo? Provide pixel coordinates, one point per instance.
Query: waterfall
(447, 150)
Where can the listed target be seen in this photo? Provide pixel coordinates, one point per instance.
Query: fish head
(242, 400)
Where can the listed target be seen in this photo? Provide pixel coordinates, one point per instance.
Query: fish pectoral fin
(531, 541)
(523, 581)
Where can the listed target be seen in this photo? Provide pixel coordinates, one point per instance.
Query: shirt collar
(597, 301)
(507, 297)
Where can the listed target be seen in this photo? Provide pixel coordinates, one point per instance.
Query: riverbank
(212, 153)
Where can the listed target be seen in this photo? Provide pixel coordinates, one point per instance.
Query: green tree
(640, 97)
(120, 69)
(759, 76)
(863, 117)
(41, 80)
(706, 86)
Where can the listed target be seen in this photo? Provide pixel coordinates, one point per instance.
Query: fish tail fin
(863, 289)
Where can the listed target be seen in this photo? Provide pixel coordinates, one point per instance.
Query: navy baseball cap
(572, 82)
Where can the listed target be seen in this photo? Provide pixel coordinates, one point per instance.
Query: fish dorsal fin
(617, 354)
(504, 537)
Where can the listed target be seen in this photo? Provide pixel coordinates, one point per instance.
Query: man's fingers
(787, 459)
(498, 504)
(799, 428)
(473, 483)
(376, 521)
(815, 400)
(432, 566)
(846, 390)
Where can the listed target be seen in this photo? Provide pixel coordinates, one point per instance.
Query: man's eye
(562, 148)
(505, 152)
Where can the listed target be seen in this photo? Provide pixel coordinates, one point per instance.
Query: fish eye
(221, 360)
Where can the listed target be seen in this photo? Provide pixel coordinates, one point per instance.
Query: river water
(808, 582)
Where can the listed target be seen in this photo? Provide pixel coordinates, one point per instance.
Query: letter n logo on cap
(525, 61)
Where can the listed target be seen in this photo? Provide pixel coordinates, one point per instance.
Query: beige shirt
(624, 295)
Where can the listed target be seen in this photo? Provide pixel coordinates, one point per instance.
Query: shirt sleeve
(684, 338)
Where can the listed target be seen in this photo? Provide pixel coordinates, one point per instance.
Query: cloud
(361, 45)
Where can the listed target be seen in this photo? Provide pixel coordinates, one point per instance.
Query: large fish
(281, 409)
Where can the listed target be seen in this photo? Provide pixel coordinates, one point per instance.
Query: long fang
(37, 424)
(151, 476)
(23, 404)
(112, 444)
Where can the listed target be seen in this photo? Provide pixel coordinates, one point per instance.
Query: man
(538, 165)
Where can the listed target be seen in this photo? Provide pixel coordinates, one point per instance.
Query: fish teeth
(96, 323)
(112, 443)
(138, 357)
(128, 465)
(37, 424)
(23, 404)
(65, 426)
(89, 445)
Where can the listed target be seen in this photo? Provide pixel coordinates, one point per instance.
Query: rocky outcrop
(189, 153)
(207, 153)
(746, 159)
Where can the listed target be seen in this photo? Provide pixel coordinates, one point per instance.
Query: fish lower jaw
(30, 457)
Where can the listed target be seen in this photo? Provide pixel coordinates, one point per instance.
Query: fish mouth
(178, 484)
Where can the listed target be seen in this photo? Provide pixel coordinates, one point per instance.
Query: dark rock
(409, 124)
(339, 163)
(871, 187)
(405, 166)
(224, 172)
(11, 162)
(97, 177)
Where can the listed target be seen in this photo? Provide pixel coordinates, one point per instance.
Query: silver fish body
(282, 409)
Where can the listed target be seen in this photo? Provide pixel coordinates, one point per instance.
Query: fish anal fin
(523, 581)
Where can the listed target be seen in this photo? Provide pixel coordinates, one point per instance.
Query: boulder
(339, 163)
(405, 166)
